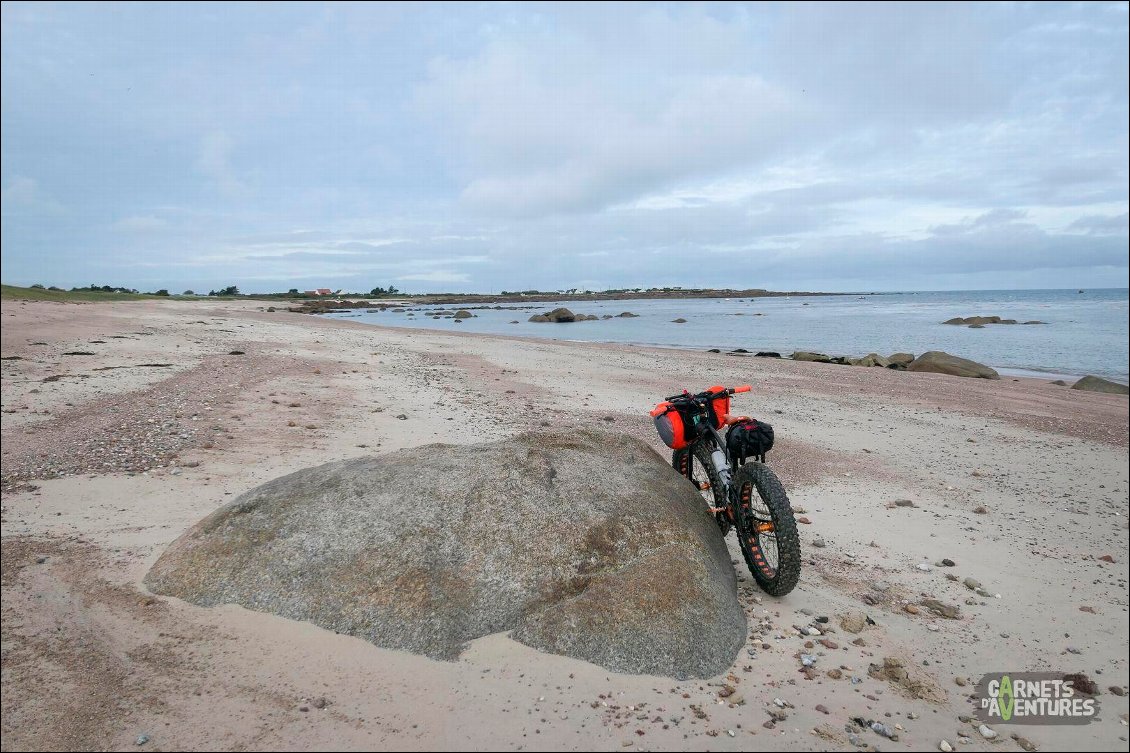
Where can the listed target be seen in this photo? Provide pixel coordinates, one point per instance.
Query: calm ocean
(1086, 332)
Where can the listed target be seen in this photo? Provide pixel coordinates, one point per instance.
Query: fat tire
(681, 461)
(759, 479)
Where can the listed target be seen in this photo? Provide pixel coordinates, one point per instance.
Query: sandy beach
(126, 423)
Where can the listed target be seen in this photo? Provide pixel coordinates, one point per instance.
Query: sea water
(1085, 331)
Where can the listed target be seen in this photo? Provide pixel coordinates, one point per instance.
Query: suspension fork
(721, 462)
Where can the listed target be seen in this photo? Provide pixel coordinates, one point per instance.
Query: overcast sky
(509, 146)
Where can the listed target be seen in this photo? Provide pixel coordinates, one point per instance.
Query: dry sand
(107, 458)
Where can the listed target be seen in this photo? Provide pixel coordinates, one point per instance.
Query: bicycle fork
(723, 469)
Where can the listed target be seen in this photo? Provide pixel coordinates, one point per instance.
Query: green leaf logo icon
(1005, 700)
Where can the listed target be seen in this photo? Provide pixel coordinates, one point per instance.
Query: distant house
(319, 291)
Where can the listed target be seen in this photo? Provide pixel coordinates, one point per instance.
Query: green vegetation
(40, 293)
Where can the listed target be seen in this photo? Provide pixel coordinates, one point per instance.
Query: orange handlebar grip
(743, 388)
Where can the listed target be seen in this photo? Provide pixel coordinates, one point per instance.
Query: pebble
(142, 739)
(882, 730)
(987, 732)
(945, 747)
(819, 543)
(923, 566)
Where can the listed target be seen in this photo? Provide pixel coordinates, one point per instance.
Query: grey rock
(1098, 384)
(561, 315)
(804, 355)
(874, 359)
(426, 549)
(940, 362)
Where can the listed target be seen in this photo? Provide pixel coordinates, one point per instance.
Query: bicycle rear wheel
(767, 531)
(694, 463)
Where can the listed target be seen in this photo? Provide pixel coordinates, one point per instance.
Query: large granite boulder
(1098, 384)
(940, 362)
(586, 544)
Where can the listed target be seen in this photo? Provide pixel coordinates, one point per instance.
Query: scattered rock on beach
(940, 362)
(462, 314)
(634, 578)
(899, 360)
(804, 355)
(873, 359)
(1098, 384)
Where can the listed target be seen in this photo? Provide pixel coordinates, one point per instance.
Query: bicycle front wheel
(767, 531)
(695, 465)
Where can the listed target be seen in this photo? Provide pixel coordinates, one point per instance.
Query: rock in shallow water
(586, 544)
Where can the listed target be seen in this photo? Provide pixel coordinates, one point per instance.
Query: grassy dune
(12, 292)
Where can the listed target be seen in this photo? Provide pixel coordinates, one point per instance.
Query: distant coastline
(322, 305)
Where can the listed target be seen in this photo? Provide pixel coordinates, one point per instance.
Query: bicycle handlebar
(710, 393)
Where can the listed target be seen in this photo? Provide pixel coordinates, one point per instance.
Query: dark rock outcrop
(940, 362)
(1098, 384)
(586, 544)
(873, 359)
